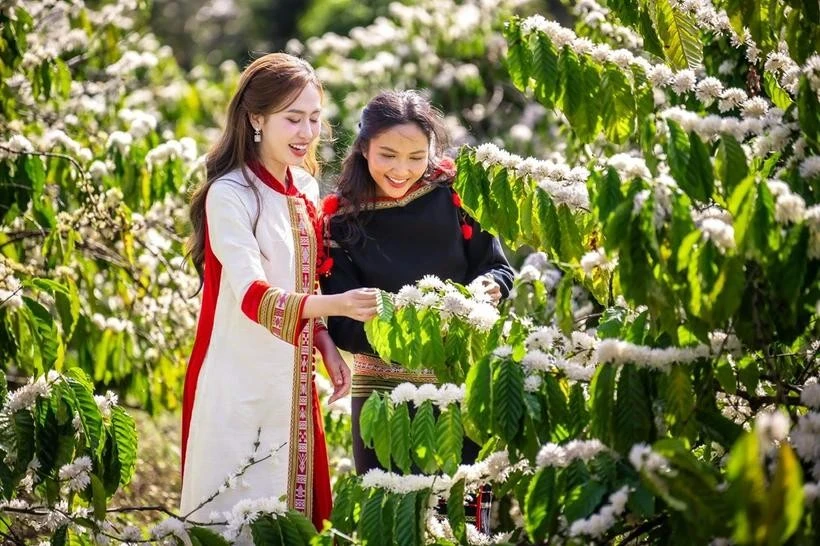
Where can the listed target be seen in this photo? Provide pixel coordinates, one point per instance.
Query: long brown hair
(386, 110)
(268, 85)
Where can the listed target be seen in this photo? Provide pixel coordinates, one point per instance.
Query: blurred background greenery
(214, 31)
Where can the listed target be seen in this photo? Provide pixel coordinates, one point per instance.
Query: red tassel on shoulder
(467, 231)
(456, 200)
(330, 204)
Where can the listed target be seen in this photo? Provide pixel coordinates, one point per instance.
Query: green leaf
(125, 435)
(400, 437)
(679, 34)
(563, 304)
(731, 161)
(602, 400)
(455, 512)
(384, 305)
(618, 106)
(450, 439)
(507, 398)
(501, 188)
(748, 489)
(779, 96)
(540, 504)
(633, 414)
(83, 402)
(207, 537)
(290, 532)
(583, 500)
(578, 77)
(98, 497)
(544, 69)
(477, 400)
(371, 527)
(700, 169)
(368, 419)
(266, 531)
(48, 339)
(518, 55)
(609, 194)
(785, 497)
(407, 529)
(382, 438)
(808, 110)
(423, 431)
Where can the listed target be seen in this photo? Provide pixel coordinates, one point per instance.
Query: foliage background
(675, 199)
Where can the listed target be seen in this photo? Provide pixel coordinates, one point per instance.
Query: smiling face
(397, 158)
(288, 133)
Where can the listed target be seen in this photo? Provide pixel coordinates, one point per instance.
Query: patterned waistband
(367, 365)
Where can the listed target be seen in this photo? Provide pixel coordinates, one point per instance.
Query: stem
(68, 158)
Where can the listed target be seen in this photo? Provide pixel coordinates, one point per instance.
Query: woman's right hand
(359, 303)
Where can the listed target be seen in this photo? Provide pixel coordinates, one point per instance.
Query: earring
(257, 135)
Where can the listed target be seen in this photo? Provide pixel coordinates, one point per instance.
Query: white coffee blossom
(643, 458)
(684, 81)
(790, 208)
(599, 523)
(171, 527)
(719, 232)
(810, 167)
(810, 396)
(731, 98)
(532, 383)
(772, 426)
(755, 107)
(708, 89)
(76, 473)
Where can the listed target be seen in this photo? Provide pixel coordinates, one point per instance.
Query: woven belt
(368, 365)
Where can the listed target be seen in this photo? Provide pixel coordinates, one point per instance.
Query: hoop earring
(257, 135)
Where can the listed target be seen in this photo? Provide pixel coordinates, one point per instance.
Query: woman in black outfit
(394, 219)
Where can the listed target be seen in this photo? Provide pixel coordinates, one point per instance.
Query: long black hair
(356, 188)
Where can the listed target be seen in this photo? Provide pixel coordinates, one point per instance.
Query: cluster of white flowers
(76, 473)
(720, 233)
(790, 208)
(496, 468)
(246, 511)
(597, 524)
(660, 75)
(26, 396)
(772, 427)
(597, 259)
(10, 287)
(560, 456)
(810, 395)
(548, 350)
(184, 149)
(563, 183)
(707, 18)
(432, 292)
(805, 437)
(768, 128)
(171, 528)
(441, 396)
(106, 402)
(629, 166)
(644, 459)
(618, 351)
(595, 16)
(396, 483)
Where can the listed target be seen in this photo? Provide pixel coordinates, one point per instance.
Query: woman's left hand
(491, 288)
(336, 367)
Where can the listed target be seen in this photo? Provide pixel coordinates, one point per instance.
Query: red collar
(271, 181)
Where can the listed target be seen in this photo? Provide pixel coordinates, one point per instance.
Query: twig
(47, 154)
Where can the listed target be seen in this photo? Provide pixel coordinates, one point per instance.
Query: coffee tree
(679, 407)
